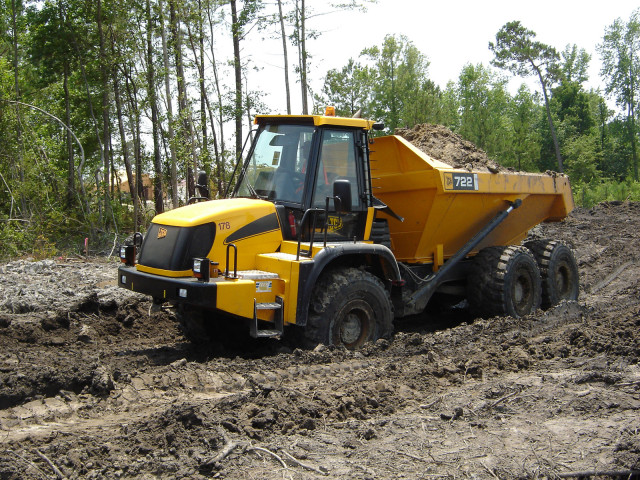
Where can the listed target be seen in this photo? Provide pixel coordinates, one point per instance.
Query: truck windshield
(277, 166)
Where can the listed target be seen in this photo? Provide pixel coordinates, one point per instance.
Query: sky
(450, 34)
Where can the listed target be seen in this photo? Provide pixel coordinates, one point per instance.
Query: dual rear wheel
(517, 280)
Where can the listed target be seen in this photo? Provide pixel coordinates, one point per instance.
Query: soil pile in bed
(97, 384)
(442, 144)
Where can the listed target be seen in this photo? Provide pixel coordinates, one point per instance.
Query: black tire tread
(544, 252)
(328, 288)
(486, 290)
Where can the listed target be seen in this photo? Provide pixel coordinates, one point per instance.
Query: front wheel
(504, 281)
(349, 307)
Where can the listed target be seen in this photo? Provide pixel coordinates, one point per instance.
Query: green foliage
(483, 100)
(516, 50)
(399, 82)
(349, 89)
(620, 52)
(581, 158)
(74, 62)
(589, 194)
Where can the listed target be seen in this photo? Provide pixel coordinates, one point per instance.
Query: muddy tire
(504, 281)
(193, 325)
(349, 307)
(558, 269)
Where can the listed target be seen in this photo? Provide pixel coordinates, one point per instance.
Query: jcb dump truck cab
(305, 238)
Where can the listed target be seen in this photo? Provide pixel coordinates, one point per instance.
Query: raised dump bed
(443, 207)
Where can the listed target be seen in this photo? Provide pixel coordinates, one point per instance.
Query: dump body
(444, 207)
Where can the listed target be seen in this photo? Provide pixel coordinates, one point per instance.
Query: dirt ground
(93, 384)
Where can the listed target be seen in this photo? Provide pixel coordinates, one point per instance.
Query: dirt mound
(442, 144)
(97, 384)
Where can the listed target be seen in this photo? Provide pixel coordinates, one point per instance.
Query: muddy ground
(93, 384)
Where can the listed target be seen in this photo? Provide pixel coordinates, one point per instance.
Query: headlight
(128, 255)
(201, 269)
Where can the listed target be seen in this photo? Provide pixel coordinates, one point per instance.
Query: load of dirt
(442, 144)
(95, 383)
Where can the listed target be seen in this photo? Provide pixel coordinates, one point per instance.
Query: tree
(399, 77)
(349, 89)
(523, 111)
(620, 52)
(575, 64)
(516, 51)
(483, 105)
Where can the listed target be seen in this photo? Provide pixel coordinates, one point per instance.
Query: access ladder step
(268, 306)
(278, 319)
(267, 333)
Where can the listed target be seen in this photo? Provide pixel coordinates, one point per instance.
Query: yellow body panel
(420, 189)
(236, 297)
(165, 273)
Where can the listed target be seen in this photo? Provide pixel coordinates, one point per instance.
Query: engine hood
(214, 211)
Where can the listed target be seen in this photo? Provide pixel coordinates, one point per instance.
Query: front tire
(349, 307)
(504, 281)
(558, 269)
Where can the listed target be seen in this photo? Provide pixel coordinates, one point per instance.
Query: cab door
(340, 157)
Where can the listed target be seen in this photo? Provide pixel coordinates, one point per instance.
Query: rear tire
(349, 307)
(504, 281)
(558, 269)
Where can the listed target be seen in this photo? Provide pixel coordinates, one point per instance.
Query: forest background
(99, 95)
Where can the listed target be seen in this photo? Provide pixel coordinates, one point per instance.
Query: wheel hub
(350, 329)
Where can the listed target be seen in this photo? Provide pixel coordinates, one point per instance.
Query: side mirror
(342, 195)
(203, 184)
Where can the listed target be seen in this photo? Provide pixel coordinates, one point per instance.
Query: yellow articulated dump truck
(336, 233)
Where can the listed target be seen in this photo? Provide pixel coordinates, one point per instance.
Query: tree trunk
(153, 103)
(132, 94)
(286, 57)
(302, 53)
(167, 86)
(632, 134)
(205, 105)
(206, 160)
(71, 187)
(183, 112)
(220, 157)
(16, 80)
(106, 135)
(556, 145)
(237, 66)
(124, 144)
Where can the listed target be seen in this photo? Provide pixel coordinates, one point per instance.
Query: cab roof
(318, 120)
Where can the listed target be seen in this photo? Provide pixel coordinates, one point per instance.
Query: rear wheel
(349, 307)
(504, 281)
(558, 269)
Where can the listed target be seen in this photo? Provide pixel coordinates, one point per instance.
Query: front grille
(173, 248)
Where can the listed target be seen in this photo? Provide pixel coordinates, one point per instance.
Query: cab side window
(337, 160)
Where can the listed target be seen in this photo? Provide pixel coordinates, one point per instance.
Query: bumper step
(278, 314)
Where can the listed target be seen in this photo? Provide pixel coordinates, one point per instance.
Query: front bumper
(164, 289)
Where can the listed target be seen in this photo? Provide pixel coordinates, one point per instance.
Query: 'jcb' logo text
(335, 223)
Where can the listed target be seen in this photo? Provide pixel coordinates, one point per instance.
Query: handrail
(307, 253)
(235, 262)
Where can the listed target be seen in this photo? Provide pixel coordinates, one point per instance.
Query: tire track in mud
(141, 396)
